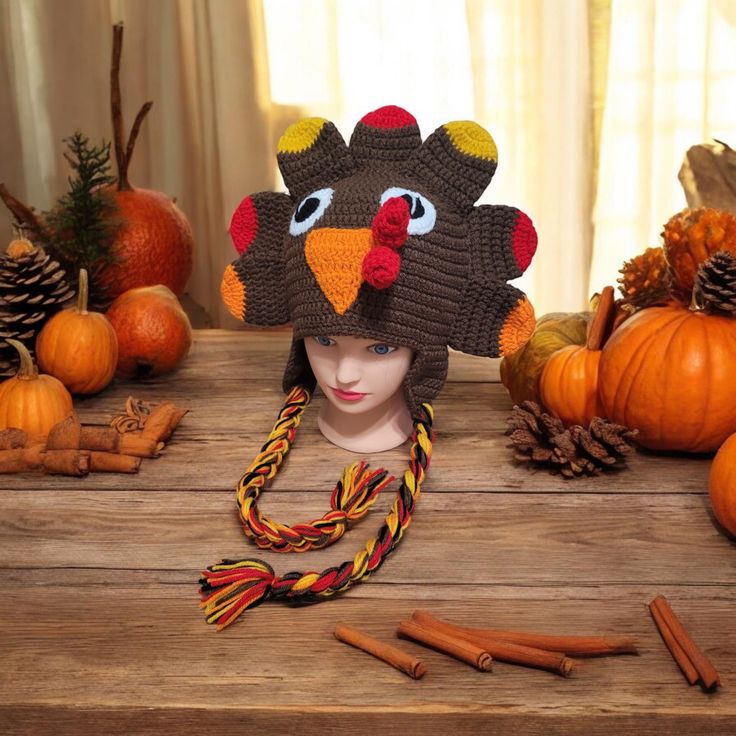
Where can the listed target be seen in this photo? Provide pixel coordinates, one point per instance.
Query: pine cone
(33, 287)
(543, 440)
(646, 280)
(716, 282)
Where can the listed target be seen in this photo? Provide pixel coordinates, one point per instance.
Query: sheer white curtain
(671, 84)
(518, 68)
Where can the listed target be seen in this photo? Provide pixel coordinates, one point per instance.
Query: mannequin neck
(382, 428)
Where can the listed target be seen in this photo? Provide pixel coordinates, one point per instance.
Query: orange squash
(32, 402)
(568, 386)
(78, 347)
(669, 372)
(722, 485)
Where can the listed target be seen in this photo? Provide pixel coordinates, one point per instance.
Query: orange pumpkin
(32, 402)
(568, 385)
(79, 347)
(722, 485)
(669, 372)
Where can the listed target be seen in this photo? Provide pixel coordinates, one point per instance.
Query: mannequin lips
(347, 395)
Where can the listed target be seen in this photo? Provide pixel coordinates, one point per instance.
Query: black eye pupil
(306, 208)
(416, 208)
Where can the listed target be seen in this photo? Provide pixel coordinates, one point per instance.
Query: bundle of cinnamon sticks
(75, 449)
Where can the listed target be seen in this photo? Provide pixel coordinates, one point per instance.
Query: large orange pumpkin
(32, 402)
(669, 372)
(568, 385)
(722, 485)
(79, 347)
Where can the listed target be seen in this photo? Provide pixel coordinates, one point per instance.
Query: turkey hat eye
(421, 210)
(309, 210)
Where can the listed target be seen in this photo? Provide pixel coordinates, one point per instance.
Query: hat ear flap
(457, 161)
(311, 155)
(253, 286)
(494, 319)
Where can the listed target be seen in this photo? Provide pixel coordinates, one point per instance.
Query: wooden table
(101, 633)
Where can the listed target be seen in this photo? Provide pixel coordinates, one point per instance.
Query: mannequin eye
(309, 210)
(421, 210)
(325, 342)
(381, 348)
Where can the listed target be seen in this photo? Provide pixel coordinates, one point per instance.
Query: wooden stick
(707, 673)
(24, 215)
(580, 646)
(110, 462)
(677, 652)
(463, 650)
(397, 658)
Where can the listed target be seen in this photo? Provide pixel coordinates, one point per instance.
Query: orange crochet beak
(335, 256)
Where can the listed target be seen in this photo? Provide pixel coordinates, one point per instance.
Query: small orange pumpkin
(722, 485)
(78, 347)
(669, 372)
(568, 385)
(32, 402)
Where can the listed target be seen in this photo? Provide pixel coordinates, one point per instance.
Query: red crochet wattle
(381, 266)
(390, 116)
(390, 223)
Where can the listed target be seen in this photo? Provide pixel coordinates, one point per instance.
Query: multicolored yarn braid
(353, 496)
(231, 587)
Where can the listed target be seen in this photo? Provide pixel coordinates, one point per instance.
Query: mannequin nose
(347, 371)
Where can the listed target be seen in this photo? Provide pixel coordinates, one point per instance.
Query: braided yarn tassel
(230, 587)
(353, 496)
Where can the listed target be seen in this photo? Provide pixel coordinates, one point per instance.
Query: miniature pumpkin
(154, 332)
(691, 237)
(78, 347)
(669, 372)
(520, 371)
(722, 485)
(568, 385)
(32, 402)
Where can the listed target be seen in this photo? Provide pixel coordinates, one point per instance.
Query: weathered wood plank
(501, 539)
(150, 648)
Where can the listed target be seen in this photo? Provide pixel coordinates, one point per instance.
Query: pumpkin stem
(123, 153)
(83, 295)
(599, 326)
(27, 370)
(696, 300)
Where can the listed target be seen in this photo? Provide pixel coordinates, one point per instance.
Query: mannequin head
(362, 380)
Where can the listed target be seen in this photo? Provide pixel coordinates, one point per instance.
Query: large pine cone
(691, 237)
(715, 283)
(646, 280)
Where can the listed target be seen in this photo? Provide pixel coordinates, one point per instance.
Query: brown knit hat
(378, 239)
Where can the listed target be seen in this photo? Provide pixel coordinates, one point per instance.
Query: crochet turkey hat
(379, 239)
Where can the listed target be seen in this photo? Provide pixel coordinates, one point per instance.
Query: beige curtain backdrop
(671, 85)
(207, 140)
(519, 68)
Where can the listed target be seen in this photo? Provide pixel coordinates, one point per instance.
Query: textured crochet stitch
(380, 238)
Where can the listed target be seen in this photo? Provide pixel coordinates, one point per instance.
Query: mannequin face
(357, 374)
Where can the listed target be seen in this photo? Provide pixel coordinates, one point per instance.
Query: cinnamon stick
(599, 327)
(133, 443)
(102, 439)
(65, 434)
(579, 646)
(66, 462)
(162, 422)
(12, 438)
(394, 656)
(707, 673)
(21, 459)
(677, 652)
(465, 651)
(110, 462)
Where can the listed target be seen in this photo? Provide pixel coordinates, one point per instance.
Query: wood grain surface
(100, 632)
